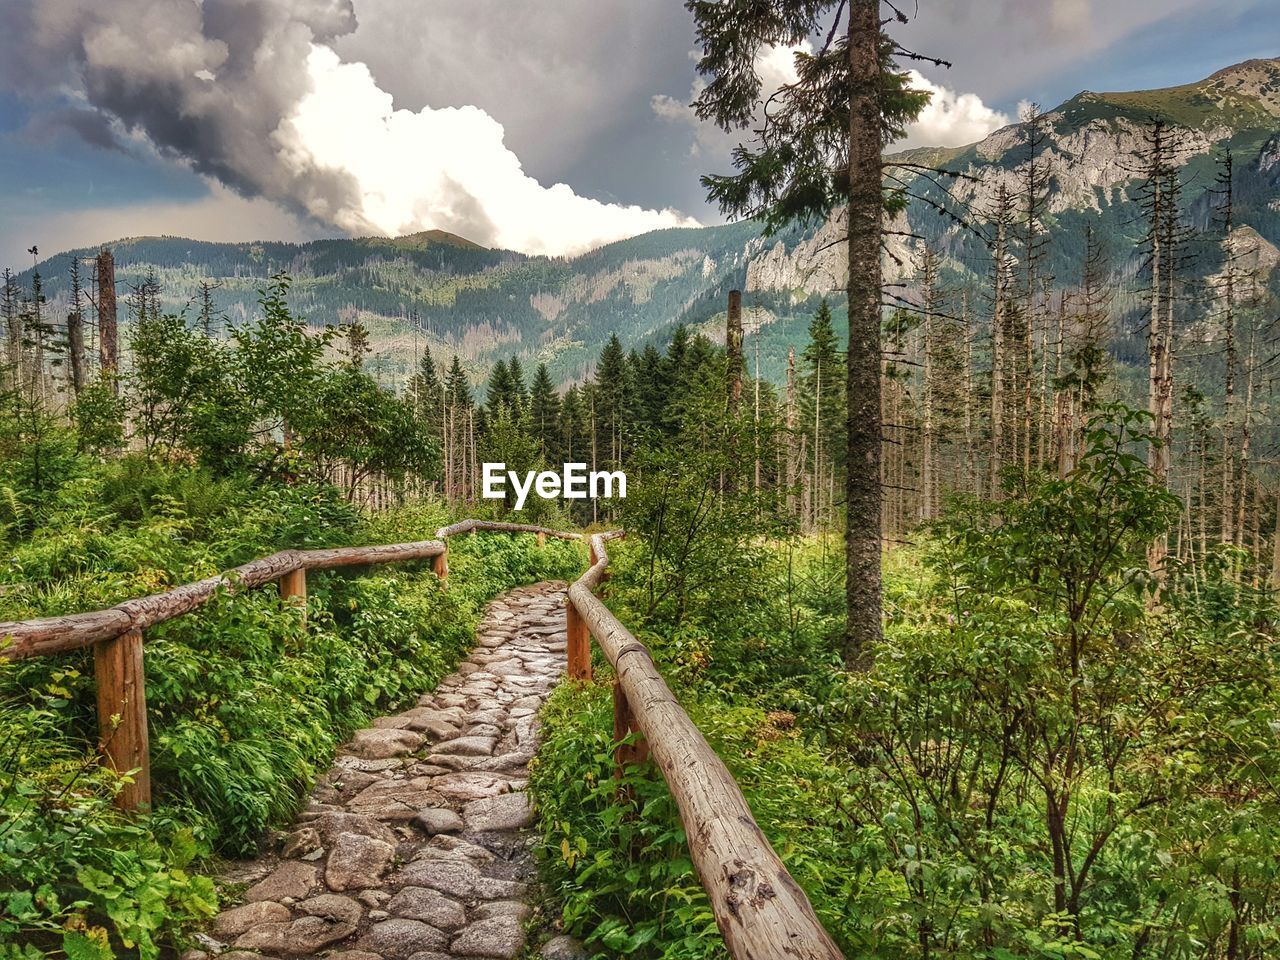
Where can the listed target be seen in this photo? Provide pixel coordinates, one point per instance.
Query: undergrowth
(246, 704)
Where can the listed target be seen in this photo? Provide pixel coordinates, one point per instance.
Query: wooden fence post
(578, 644)
(624, 725)
(122, 715)
(542, 539)
(440, 566)
(293, 588)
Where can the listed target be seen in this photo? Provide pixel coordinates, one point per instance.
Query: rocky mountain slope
(457, 297)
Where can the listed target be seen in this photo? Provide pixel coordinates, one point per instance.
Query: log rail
(761, 912)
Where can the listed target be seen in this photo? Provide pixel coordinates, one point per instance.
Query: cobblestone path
(415, 844)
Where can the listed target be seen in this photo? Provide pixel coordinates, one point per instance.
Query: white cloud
(950, 119)
(776, 67)
(438, 168)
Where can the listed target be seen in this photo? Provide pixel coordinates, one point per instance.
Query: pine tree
(612, 390)
(501, 392)
(822, 405)
(426, 393)
(649, 373)
(820, 149)
(571, 439)
(520, 392)
(544, 413)
(458, 432)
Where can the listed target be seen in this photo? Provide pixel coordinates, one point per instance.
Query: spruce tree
(519, 392)
(544, 413)
(501, 393)
(425, 392)
(820, 150)
(649, 375)
(611, 394)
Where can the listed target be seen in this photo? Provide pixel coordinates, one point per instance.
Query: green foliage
(615, 854)
(74, 874)
(1039, 764)
(245, 704)
(795, 168)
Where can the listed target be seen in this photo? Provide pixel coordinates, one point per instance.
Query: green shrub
(246, 705)
(615, 856)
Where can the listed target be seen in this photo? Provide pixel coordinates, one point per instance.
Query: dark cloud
(207, 83)
(92, 127)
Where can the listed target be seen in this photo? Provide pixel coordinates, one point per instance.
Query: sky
(546, 127)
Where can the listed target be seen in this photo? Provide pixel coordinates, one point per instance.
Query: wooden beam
(122, 715)
(760, 910)
(493, 526)
(578, 644)
(293, 589)
(440, 566)
(48, 635)
(624, 726)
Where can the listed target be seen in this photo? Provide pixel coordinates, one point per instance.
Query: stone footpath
(414, 845)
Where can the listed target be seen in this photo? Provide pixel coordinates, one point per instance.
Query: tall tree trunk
(926, 427)
(971, 481)
(1275, 548)
(1157, 454)
(75, 350)
(108, 331)
(862, 483)
(790, 465)
(998, 350)
(733, 351)
(1229, 359)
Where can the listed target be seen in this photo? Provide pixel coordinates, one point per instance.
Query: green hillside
(437, 289)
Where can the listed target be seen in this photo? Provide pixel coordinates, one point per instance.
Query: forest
(975, 597)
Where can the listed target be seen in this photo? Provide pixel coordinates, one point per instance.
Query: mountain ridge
(439, 289)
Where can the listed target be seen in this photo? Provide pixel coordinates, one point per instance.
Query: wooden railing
(116, 634)
(760, 910)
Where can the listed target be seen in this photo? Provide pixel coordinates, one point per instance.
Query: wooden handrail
(760, 910)
(48, 635)
(116, 634)
(494, 526)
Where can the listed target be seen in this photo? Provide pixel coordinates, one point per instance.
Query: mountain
(439, 289)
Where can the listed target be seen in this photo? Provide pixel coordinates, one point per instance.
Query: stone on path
(414, 845)
(509, 812)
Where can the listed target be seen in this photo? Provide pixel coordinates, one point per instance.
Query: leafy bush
(1043, 761)
(246, 704)
(614, 853)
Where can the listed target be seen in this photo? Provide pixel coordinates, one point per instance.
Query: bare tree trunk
(926, 432)
(1246, 439)
(1157, 454)
(816, 485)
(75, 350)
(998, 348)
(1229, 362)
(970, 467)
(756, 431)
(1275, 548)
(863, 627)
(733, 352)
(108, 331)
(790, 466)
